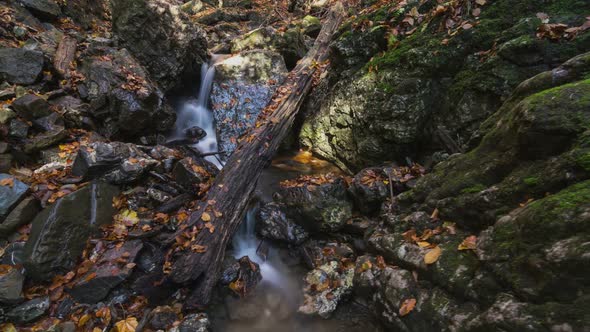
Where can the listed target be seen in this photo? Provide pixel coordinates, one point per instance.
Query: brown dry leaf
(127, 325)
(210, 227)
(423, 244)
(83, 320)
(198, 248)
(407, 307)
(433, 255)
(205, 216)
(480, 2)
(470, 243)
(7, 182)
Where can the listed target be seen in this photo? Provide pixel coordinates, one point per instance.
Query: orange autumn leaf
(469, 243)
(127, 325)
(407, 307)
(432, 255)
(7, 182)
(205, 216)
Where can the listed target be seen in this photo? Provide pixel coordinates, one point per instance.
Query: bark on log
(230, 193)
(66, 51)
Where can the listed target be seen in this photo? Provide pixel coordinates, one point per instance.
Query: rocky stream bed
(436, 178)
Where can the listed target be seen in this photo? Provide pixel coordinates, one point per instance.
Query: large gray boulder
(47, 9)
(242, 87)
(20, 66)
(60, 232)
(162, 38)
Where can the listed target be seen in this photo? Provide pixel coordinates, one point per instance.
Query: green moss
(583, 160)
(531, 181)
(473, 189)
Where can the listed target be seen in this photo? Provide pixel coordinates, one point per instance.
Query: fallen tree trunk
(220, 214)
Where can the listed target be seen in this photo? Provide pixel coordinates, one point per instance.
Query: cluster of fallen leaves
(310, 181)
(558, 31)
(134, 82)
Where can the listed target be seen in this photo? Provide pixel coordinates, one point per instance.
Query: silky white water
(196, 112)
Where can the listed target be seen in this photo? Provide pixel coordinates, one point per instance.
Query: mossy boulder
(428, 87)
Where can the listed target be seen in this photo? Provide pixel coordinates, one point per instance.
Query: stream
(273, 304)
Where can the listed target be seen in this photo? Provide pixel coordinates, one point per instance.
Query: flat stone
(31, 107)
(21, 215)
(29, 311)
(10, 196)
(47, 9)
(20, 66)
(11, 286)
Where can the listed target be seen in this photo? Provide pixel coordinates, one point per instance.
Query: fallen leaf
(480, 2)
(432, 255)
(423, 244)
(205, 216)
(7, 182)
(127, 325)
(407, 306)
(469, 243)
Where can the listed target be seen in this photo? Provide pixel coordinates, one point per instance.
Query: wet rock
(121, 95)
(5, 162)
(73, 110)
(319, 252)
(18, 129)
(162, 317)
(29, 311)
(168, 62)
(87, 12)
(46, 9)
(13, 254)
(31, 107)
(6, 115)
(20, 66)
(46, 139)
(195, 323)
(395, 248)
(275, 225)
(189, 173)
(242, 87)
(21, 215)
(11, 286)
(241, 275)
(311, 25)
(51, 122)
(111, 269)
(117, 162)
(59, 233)
(323, 208)
(370, 188)
(10, 195)
(325, 287)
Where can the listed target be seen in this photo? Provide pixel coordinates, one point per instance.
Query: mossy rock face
(535, 144)
(386, 106)
(542, 250)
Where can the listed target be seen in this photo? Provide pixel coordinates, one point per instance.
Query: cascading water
(195, 112)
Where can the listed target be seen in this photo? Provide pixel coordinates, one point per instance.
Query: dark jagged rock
(46, 9)
(60, 232)
(87, 12)
(242, 275)
(195, 323)
(29, 311)
(142, 26)
(111, 269)
(13, 254)
(31, 107)
(273, 224)
(18, 129)
(242, 87)
(46, 139)
(20, 66)
(22, 214)
(116, 162)
(11, 195)
(5, 162)
(121, 95)
(163, 317)
(11, 286)
(321, 208)
(190, 174)
(370, 188)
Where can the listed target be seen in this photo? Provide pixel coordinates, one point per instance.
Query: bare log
(66, 51)
(228, 197)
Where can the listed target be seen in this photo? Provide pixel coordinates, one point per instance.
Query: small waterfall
(245, 243)
(195, 112)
